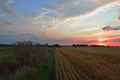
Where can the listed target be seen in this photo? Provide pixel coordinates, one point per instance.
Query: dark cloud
(5, 7)
(116, 40)
(110, 28)
(7, 23)
(86, 41)
(11, 38)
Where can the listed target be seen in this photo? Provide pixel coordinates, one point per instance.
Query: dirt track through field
(72, 64)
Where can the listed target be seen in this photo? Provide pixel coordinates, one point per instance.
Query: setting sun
(102, 39)
(102, 44)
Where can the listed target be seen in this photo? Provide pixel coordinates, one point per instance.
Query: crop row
(92, 66)
(64, 70)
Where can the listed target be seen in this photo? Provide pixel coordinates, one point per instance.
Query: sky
(66, 22)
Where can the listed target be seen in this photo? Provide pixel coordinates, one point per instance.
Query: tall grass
(28, 54)
(34, 62)
(27, 59)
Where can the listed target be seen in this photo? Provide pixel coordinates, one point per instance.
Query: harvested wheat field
(83, 64)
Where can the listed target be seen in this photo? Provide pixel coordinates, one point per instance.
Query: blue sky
(60, 21)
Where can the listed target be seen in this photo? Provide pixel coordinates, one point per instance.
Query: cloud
(110, 28)
(116, 40)
(86, 41)
(68, 10)
(118, 12)
(51, 21)
(99, 9)
(11, 38)
(99, 1)
(56, 16)
(7, 23)
(11, 1)
(5, 7)
(117, 19)
(102, 1)
(2, 15)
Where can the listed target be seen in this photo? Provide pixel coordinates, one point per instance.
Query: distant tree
(6, 45)
(74, 45)
(46, 45)
(80, 45)
(56, 45)
(97, 46)
(83, 45)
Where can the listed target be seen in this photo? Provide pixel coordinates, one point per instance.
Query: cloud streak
(11, 1)
(7, 23)
(5, 7)
(110, 28)
(116, 40)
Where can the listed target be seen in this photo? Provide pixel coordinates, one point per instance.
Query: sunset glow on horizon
(66, 22)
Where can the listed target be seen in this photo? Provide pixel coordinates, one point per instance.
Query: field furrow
(89, 66)
(64, 69)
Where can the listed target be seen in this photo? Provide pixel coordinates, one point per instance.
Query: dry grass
(28, 54)
(91, 66)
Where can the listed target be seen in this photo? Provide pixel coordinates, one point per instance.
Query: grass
(44, 71)
(28, 61)
(7, 62)
(6, 53)
(48, 66)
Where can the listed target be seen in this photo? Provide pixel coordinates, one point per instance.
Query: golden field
(87, 63)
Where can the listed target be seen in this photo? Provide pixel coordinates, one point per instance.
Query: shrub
(23, 52)
(28, 54)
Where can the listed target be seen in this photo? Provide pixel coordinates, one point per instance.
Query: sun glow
(102, 44)
(102, 39)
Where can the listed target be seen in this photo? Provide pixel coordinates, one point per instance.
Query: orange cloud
(118, 12)
(109, 42)
(117, 19)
